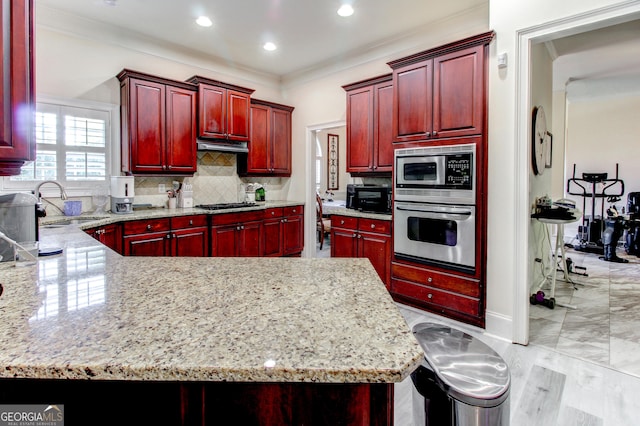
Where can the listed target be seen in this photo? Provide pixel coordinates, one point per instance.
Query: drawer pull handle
(430, 296)
(342, 222)
(190, 222)
(373, 226)
(429, 279)
(149, 227)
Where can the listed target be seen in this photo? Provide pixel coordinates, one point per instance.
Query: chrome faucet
(36, 191)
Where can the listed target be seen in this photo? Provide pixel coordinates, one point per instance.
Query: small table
(559, 223)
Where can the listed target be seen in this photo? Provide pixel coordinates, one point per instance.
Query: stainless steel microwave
(437, 174)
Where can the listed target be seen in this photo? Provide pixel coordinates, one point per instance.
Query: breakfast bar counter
(286, 339)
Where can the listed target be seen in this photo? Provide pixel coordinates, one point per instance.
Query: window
(319, 163)
(72, 147)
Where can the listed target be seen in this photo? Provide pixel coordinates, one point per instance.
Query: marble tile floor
(605, 327)
(548, 387)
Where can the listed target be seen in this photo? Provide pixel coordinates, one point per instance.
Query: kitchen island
(207, 340)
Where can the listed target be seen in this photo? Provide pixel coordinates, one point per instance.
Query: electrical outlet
(162, 188)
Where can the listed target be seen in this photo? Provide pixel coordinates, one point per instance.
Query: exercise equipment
(591, 234)
(632, 238)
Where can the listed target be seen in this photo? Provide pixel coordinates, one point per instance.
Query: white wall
(540, 185)
(508, 160)
(600, 133)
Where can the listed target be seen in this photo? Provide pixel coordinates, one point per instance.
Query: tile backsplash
(216, 181)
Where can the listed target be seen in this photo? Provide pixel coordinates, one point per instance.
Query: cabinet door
(224, 241)
(360, 120)
(250, 239)
(212, 111)
(111, 236)
(383, 131)
(258, 160)
(272, 244)
(152, 244)
(190, 242)
(377, 248)
(17, 144)
(238, 105)
(343, 242)
(146, 133)
(293, 235)
(280, 150)
(458, 93)
(412, 102)
(181, 130)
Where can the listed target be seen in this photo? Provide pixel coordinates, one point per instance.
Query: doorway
(525, 40)
(316, 177)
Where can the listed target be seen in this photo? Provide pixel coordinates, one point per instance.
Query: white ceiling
(600, 61)
(309, 33)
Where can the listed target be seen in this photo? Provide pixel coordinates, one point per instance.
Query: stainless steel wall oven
(434, 207)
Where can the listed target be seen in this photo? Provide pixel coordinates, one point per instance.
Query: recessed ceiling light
(269, 46)
(109, 2)
(345, 10)
(204, 21)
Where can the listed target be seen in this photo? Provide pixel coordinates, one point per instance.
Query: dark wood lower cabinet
(207, 403)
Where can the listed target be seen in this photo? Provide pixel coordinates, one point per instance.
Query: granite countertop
(339, 207)
(90, 313)
(89, 220)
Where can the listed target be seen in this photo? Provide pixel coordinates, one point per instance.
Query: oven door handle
(442, 214)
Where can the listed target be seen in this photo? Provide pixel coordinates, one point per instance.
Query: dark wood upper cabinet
(223, 110)
(270, 141)
(17, 144)
(158, 125)
(369, 125)
(440, 93)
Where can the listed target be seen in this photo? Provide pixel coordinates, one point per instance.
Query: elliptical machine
(596, 234)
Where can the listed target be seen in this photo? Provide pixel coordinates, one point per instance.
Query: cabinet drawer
(436, 297)
(188, 221)
(231, 218)
(345, 222)
(273, 212)
(374, 225)
(441, 280)
(146, 226)
(294, 210)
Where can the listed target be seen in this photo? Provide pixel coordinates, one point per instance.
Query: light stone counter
(329, 210)
(93, 314)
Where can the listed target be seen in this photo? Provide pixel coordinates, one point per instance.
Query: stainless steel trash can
(461, 382)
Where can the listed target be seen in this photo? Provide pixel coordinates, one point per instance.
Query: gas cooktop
(222, 206)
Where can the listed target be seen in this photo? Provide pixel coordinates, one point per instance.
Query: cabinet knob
(294, 210)
(373, 226)
(241, 227)
(359, 236)
(428, 134)
(430, 296)
(435, 133)
(342, 222)
(149, 227)
(354, 235)
(285, 220)
(273, 213)
(190, 222)
(164, 167)
(429, 279)
(169, 167)
(237, 227)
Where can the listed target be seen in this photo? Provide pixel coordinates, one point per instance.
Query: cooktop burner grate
(221, 206)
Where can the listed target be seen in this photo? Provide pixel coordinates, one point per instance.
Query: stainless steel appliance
(122, 194)
(369, 198)
(434, 207)
(436, 233)
(442, 174)
(18, 221)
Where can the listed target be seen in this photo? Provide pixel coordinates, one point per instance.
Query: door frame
(586, 21)
(310, 184)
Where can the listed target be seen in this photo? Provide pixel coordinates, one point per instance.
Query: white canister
(122, 187)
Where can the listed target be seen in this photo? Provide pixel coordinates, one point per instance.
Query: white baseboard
(499, 326)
